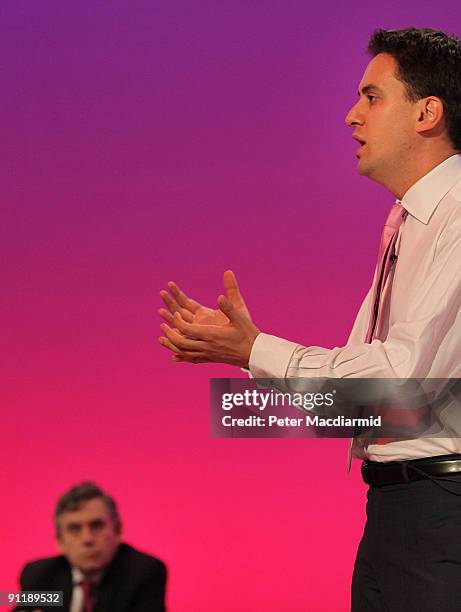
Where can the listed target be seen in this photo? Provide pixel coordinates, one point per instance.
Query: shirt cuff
(270, 356)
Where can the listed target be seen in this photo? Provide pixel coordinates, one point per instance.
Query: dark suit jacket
(133, 582)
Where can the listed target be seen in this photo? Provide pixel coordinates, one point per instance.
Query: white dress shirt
(76, 604)
(421, 337)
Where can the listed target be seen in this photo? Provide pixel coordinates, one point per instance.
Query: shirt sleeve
(411, 343)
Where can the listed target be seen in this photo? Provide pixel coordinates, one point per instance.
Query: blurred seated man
(96, 571)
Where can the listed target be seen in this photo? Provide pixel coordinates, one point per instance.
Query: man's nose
(353, 116)
(87, 536)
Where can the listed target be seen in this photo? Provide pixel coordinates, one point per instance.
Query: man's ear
(59, 543)
(431, 114)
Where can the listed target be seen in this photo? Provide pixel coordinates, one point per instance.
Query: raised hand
(193, 312)
(201, 334)
(190, 310)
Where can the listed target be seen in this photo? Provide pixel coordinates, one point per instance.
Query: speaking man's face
(88, 537)
(383, 120)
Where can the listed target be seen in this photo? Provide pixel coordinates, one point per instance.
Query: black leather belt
(378, 474)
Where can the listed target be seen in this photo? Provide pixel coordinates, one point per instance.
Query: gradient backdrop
(146, 141)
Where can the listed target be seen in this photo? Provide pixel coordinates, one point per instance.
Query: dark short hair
(81, 493)
(429, 65)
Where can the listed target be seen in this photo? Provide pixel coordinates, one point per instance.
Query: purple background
(143, 142)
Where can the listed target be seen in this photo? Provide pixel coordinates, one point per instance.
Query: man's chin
(364, 169)
(91, 566)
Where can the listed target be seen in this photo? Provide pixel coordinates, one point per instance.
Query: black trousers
(409, 559)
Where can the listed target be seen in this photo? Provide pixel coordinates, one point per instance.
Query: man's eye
(97, 525)
(371, 98)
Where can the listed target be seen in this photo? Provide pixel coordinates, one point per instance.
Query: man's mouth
(360, 141)
(362, 144)
(91, 555)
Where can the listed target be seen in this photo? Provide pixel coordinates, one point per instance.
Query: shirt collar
(78, 577)
(422, 198)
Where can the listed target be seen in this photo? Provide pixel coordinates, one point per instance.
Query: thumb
(232, 289)
(228, 309)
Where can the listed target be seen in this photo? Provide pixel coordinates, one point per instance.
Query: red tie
(87, 598)
(385, 260)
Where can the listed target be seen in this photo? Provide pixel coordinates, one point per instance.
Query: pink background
(143, 142)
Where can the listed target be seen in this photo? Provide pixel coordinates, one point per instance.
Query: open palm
(193, 312)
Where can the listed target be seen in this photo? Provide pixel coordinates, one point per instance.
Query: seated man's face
(88, 537)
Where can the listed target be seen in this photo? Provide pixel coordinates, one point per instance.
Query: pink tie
(385, 260)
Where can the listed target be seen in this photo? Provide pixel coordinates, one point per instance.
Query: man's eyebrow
(73, 525)
(367, 88)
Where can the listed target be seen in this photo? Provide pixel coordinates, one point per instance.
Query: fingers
(165, 314)
(173, 307)
(191, 331)
(182, 299)
(232, 289)
(184, 350)
(189, 358)
(185, 314)
(168, 344)
(181, 356)
(170, 303)
(177, 342)
(184, 357)
(196, 334)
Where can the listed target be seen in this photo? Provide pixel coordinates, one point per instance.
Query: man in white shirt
(408, 124)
